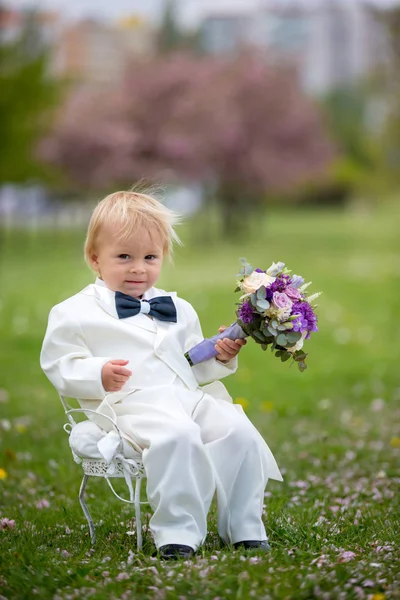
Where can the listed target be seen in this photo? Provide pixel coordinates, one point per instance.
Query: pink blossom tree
(241, 126)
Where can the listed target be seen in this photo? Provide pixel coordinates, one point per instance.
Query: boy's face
(131, 266)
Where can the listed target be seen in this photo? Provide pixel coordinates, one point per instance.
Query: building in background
(49, 24)
(97, 52)
(90, 50)
(333, 43)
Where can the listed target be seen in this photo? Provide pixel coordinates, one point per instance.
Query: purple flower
(293, 293)
(279, 285)
(296, 281)
(259, 271)
(307, 320)
(246, 312)
(281, 300)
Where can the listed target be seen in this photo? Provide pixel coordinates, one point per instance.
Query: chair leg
(85, 508)
(137, 514)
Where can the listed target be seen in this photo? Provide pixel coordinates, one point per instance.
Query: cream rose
(253, 282)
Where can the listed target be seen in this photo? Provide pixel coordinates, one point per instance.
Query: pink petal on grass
(7, 523)
(43, 503)
(346, 556)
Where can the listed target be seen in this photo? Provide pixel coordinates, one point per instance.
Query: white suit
(194, 440)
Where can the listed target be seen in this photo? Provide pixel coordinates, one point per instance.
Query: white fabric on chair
(87, 440)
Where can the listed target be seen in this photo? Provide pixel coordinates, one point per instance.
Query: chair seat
(88, 441)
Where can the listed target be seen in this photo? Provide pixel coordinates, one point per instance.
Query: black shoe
(253, 545)
(175, 552)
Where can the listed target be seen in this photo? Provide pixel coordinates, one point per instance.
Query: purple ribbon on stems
(205, 349)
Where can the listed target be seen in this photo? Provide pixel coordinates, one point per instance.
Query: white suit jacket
(84, 332)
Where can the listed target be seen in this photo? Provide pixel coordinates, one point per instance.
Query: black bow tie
(161, 308)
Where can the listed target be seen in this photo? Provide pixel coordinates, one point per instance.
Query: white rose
(253, 282)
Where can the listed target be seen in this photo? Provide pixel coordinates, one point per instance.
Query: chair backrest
(67, 407)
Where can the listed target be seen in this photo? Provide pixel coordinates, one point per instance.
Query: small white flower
(314, 297)
(275, 268)
(303, 287)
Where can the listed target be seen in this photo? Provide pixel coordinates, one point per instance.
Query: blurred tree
(169, 33)
(241, 127)
(171, 37)
(27, 94)
(346, 110)
(391, 19)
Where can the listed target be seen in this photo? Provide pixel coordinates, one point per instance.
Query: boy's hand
(114, 375)
(228, 349)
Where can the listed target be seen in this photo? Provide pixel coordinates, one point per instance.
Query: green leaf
(300, 355)
(253, 300)
(262, 293)
(237, 289)
(293, 336)
(285, 356)
(302, 366)
(259, 336)
(281, 340)
(262, 304)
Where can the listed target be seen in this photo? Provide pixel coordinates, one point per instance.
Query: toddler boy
(118, 346)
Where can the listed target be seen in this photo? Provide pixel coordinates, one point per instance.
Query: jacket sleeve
(210, 369)
(67, 361)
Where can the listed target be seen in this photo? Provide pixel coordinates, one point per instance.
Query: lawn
(334, 429)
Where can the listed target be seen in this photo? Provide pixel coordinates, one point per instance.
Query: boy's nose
(137, 268)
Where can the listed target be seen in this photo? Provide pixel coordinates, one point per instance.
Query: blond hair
(128, 212)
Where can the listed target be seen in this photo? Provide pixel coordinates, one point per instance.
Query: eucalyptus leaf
(285, 356)
(299, 355)
(293, 336)
(248, 270)
(259, 336)
(281, 339)
(302, 366)
(274, 323)
(262, 293)
(262, 305)
(253, 300)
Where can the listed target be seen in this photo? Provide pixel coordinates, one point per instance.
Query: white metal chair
(122, 464)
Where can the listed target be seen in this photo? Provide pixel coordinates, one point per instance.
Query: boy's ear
(94, 262)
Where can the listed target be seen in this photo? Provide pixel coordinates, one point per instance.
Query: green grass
(334, 429)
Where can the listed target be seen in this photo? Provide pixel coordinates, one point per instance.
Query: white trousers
(194, 444)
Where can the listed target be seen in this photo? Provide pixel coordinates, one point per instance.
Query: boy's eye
(150, 257)
(124, 256)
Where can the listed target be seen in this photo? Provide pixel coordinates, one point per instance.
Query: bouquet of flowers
(275, 310)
